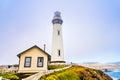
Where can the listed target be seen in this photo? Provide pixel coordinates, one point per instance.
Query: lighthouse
(57, 55)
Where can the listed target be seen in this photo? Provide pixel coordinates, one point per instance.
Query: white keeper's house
(33, 59)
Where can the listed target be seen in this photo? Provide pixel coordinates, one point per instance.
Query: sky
(90, 29)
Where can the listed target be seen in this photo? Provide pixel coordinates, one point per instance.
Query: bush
(52, 77)
(68, 75)
(77, 73)
(10, 76)
(55, 66)
(24, 75)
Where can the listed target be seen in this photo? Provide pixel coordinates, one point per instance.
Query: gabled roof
(35, 46)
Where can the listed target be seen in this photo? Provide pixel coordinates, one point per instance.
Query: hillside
(77, 73)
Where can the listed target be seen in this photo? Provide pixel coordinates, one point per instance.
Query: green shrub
(52, 77)
(24, 75)
(10, 76)
(55, 66)
(68, 75)
(77, 73)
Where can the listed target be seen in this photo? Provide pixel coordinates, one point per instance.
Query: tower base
(57, 63)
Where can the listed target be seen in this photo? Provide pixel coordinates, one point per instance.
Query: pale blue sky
(91, 28)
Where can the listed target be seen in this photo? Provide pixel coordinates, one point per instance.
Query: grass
(55, 66)
(18, 76)
(23, 75)
(77, 73)
(9, 76)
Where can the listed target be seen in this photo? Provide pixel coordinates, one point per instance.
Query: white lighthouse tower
(57, 55)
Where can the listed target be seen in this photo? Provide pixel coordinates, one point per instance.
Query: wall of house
(34, 53)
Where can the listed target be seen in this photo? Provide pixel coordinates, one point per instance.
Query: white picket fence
(39, 74)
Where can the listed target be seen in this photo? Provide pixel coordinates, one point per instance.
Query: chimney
(44, 47)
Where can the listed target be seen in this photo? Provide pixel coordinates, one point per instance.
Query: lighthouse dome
(57, 18)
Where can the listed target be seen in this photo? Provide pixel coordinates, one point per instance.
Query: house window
(40, 62)
(58, 32)
(58, 52)
(27, 62)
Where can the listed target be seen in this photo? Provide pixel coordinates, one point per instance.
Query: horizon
(118, 62)
(90, 29)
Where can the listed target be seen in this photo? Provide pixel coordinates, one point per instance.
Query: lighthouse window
(58, 32)
(58, 52)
